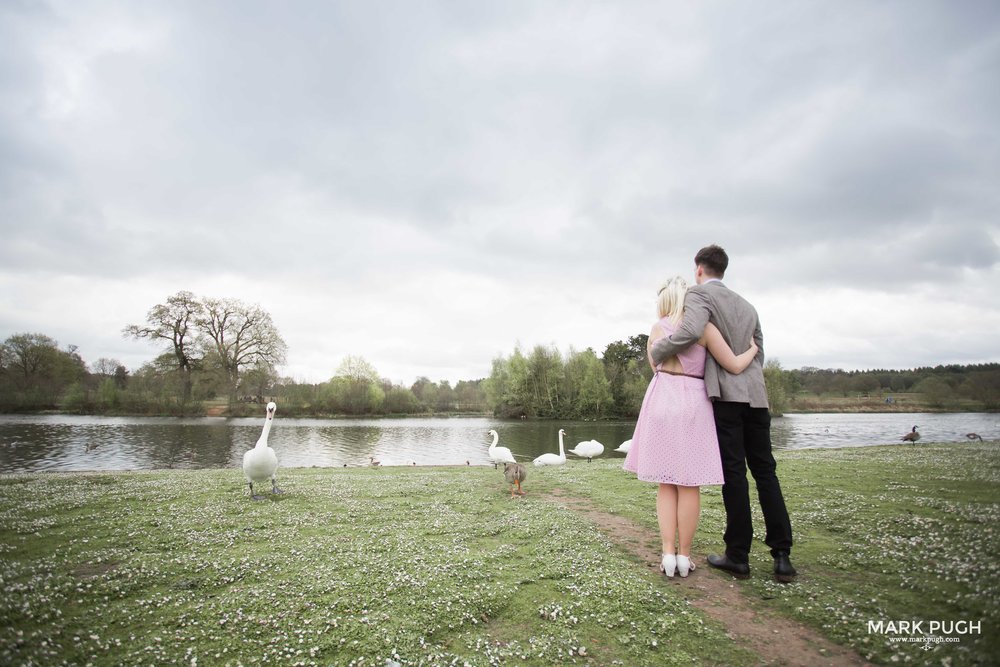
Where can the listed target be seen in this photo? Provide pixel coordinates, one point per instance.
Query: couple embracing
(705, 421)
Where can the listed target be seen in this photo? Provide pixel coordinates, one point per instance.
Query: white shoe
(684, 565)
(668, 564)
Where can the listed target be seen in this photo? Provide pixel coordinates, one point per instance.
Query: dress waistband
(687, 375)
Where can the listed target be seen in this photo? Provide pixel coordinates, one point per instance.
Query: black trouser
(745, 442)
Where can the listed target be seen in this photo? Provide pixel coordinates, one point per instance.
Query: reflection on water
(57, 442)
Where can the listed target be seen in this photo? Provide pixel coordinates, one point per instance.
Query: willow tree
(243, 336)
(174, 321)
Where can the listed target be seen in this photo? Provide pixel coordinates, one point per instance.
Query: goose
(911, 437)
(515, 474)
(624, 447)
(261, 463)
(588, 449)
(553, 459)
(974, 436)
(373, 463)
(499, 454)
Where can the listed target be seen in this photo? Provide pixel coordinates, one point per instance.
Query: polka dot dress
(674, 440)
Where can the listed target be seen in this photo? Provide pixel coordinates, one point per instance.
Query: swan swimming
(261, 463)
(499, 454)
(624, 447)
(588, 449)
(553, 459)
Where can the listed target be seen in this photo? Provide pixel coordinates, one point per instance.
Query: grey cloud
(530, 143)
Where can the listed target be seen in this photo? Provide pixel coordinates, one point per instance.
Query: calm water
(57, 442)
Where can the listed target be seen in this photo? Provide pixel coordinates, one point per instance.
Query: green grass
(439, 565)
(428, 565)
(881, 533)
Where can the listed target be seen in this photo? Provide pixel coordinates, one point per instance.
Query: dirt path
(777, 639)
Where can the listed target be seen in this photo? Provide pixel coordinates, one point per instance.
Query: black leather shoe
(723, 562)
(783, 570)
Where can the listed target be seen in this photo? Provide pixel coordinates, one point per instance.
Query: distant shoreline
(826, 409)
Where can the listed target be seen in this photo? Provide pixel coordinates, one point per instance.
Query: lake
(63, 443)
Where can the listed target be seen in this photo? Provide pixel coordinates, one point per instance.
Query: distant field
(875, 403)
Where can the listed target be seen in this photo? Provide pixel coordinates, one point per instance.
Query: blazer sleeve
(758, 337)
(696, 315)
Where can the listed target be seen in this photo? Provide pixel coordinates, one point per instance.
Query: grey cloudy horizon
(427, 185)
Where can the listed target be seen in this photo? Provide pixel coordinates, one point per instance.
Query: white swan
(260, 463)
(553, 459)
(499, 454)
(624, 447)
(588, 449)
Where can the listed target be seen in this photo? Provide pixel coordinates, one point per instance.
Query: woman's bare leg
(666, 514)
(688, 511)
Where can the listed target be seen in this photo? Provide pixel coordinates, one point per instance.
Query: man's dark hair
(714, 259)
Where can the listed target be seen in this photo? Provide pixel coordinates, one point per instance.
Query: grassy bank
(435, 565)
(901, 402)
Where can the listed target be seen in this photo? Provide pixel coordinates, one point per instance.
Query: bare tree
(105, 366)
(243, 336)
(174, 321)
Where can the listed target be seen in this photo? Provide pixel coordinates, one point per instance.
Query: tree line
(943, 386)
(211, 349)
(229, 351)
(580, 385)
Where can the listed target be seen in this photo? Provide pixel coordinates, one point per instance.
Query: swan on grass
(499, 454)
(261, 463)
(624, 447)
(588, 449)
(553, 459)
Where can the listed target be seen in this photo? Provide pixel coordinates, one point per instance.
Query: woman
(675, 444)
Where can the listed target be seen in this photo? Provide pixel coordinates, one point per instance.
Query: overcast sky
(428, 184)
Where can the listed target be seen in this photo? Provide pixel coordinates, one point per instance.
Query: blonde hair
(670, 299)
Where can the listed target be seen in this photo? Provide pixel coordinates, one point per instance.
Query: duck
(588, 449)
(553, 459)
(624, 447)
(911, 437)
(515, 474)
(974, 436)
(261, 463)
(499, 454)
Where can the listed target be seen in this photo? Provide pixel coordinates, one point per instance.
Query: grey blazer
(737, 320)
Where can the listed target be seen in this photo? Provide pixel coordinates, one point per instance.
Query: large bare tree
(243, 336)
(174, 321)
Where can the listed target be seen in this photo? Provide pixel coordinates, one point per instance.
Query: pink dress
(674, 440)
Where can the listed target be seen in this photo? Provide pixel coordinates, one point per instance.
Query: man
(742, 420)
